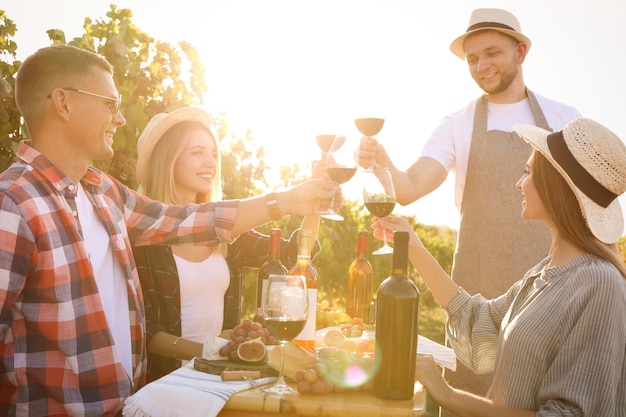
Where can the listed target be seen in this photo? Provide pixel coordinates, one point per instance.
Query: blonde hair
(566, 214)
(158, 182)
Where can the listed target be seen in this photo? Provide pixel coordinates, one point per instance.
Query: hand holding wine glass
(379, 196)
(285, 312)
(369, 126)
(340, 165)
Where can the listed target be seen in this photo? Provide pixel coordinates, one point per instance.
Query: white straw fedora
(592, 159)
(490, 19)
(161, 123)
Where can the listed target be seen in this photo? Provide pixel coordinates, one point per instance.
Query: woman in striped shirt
(556, 340)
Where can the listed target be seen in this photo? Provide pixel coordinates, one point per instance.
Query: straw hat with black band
(490, 19)
(592, 159)
(161, 123)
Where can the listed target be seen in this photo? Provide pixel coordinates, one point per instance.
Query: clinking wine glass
(380, 197)
(285, 311)
(370, 126)
(340, 165)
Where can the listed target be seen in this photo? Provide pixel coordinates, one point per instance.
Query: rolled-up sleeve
(473, 328)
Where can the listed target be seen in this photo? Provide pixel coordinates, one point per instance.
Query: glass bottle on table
(397, 319)
(303, 266)
(273, 265)
(360, 275)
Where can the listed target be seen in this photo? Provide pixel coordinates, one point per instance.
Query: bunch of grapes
(337, 371)
(355, 328)
(244, 331)
(327, 317)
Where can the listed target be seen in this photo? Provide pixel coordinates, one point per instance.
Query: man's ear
(59, 98)
(521, 50)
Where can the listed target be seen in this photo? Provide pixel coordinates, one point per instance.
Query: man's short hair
(55, 66)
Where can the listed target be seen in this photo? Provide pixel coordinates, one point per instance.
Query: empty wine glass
(380, 197)
(285, 312)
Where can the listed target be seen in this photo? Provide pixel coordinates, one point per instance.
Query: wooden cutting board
(216, 367)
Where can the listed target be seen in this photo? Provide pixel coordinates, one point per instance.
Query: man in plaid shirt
(71, 313)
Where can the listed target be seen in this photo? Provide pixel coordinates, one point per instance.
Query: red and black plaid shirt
(57, 352)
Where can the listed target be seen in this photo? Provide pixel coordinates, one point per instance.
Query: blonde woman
(191, 292)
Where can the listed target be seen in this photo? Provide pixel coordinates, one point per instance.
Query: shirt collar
(46, 169)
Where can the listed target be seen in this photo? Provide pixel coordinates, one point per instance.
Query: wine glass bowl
(285, 312)
(329, 143)
(379, 197)
(369, 126)
(341, 173)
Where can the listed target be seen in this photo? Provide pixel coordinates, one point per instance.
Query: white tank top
(202, 288)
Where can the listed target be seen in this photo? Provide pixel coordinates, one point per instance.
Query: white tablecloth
(186, 392)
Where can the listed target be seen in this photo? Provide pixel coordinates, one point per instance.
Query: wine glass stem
(385, 237)
(281, 375)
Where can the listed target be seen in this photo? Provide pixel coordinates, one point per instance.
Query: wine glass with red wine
(285, 311)
(379, 196)
(340, 165)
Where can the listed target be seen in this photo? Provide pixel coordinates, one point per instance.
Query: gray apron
(495, 245)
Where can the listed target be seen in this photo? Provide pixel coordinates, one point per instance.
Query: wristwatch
(272, 204)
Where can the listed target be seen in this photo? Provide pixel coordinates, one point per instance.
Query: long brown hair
(565, 212)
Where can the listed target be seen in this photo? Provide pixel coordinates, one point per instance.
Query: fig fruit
(253, 350)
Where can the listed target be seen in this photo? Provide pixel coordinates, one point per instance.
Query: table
(254, 402)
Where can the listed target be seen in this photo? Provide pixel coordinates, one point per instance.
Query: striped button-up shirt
(58, 356)
(556, 341)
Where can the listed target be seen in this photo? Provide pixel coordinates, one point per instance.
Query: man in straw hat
(556, 339)
(71, 314)
(479, 145)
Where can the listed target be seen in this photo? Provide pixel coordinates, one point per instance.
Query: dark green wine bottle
(397, 319)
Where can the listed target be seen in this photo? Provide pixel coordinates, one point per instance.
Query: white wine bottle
(360, 273)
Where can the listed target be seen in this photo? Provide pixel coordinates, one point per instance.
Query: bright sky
(286, 68)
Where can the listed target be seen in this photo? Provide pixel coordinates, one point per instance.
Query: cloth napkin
(443, 355)
(186, 392)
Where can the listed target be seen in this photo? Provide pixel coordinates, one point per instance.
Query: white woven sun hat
(592, 159)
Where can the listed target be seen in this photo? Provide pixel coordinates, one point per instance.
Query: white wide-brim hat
(161, 123)
(490, 19)
(592, 159)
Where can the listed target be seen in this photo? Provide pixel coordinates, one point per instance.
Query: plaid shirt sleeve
(58, 357)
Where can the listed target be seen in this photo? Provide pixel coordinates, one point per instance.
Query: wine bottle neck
(275, 241)
(400, 253)
(304, 245)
